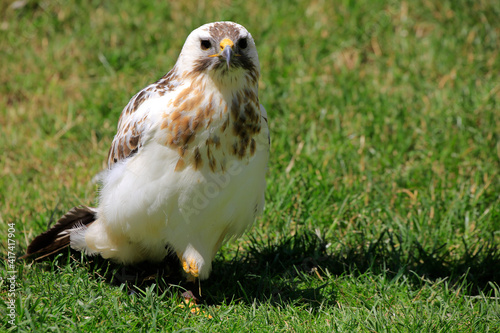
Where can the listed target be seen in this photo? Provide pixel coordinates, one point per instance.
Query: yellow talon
(190, 267)
(185, 266)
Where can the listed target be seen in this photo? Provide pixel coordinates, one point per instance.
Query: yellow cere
(225, 42)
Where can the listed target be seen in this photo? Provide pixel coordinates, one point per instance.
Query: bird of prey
(186, 169)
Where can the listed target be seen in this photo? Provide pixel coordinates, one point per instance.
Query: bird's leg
(191, 268)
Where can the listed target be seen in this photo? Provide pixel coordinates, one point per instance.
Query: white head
(223, 50)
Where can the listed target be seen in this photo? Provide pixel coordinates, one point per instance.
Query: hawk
(186, 169)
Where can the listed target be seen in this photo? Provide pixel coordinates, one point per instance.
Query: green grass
(383, 201)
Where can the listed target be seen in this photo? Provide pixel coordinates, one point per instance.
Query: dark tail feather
(55, 239)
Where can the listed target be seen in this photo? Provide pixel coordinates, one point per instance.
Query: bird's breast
(208, 128)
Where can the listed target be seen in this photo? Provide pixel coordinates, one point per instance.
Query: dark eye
(243, 43)
(205, 44)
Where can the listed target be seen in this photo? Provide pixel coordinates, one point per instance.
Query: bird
(186, 168)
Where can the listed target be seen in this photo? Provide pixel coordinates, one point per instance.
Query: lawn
(383, 200)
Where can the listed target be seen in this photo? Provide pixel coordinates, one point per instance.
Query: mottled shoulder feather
(131, 126)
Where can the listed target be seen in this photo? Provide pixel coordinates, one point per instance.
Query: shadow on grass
(294, 270)
(477, 266)
(288, 271)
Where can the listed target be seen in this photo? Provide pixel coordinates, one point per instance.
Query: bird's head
(223, 50)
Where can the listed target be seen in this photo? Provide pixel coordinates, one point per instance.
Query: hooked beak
(226, 51)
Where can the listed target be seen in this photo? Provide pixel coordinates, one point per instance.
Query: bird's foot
(191, 268)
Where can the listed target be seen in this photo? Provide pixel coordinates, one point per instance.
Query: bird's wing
(133, 121)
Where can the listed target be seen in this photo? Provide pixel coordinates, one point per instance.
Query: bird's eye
(205, 44)
(243, 43)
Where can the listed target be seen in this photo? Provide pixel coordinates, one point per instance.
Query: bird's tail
(57, 238)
